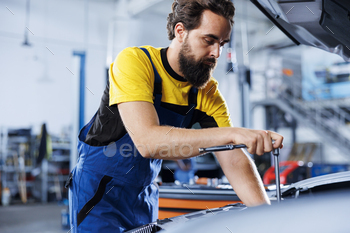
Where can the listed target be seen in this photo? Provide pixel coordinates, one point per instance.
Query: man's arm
(166, 142)
(242, 174)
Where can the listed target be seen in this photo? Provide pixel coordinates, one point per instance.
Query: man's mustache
(210, 60)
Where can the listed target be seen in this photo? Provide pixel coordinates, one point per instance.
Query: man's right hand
(257, 141)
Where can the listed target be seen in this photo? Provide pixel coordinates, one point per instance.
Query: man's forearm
(170, 143)
(242, 174)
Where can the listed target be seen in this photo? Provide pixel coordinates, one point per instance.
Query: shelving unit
(17, 162)
(38, 182)
(55, 170)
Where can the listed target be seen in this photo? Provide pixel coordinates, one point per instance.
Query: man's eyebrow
(216, 38)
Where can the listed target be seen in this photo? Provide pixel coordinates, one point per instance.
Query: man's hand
(257, 141)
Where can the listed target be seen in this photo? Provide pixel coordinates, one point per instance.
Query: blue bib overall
(112, 187)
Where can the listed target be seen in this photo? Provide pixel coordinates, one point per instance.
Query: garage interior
(55, 60)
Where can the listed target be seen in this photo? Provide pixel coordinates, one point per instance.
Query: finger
(267, 141)
(278, 139)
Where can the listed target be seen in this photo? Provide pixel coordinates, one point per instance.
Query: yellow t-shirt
(131, 78)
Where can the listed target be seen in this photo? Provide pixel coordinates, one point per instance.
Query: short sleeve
(214, 106)
(131, 77)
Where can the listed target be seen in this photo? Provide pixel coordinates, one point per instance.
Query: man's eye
(210, 42)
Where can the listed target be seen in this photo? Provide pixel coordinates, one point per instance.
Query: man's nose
(215, 50)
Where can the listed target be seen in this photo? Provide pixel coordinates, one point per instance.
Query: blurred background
(55, 56)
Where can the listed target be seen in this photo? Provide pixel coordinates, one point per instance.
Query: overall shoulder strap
(157, 79)
(192, 98)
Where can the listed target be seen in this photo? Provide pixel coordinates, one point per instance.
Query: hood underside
(324, 24)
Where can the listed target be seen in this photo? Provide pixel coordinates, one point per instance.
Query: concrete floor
(31, 218)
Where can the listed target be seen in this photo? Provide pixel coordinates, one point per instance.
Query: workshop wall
(35, 80)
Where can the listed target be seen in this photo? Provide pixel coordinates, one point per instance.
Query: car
(318, 204)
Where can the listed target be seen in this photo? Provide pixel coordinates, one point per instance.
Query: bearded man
(153, 97)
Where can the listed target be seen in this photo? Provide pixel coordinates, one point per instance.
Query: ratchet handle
(221, 148)
(276, 153)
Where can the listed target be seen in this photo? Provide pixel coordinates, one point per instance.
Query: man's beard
(195, 72)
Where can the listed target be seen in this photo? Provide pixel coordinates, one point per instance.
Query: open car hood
(324, 24)
(306, 203)
(337, 182)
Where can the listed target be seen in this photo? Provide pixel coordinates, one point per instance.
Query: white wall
(35, 85)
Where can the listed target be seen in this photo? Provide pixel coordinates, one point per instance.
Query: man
(153, 98)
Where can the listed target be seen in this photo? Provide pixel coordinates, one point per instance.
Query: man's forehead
(214, 26)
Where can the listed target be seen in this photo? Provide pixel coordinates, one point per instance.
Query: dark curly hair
(189, 12)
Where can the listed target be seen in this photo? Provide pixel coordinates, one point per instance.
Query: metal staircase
(325, 117)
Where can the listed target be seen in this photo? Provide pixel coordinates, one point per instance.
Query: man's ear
(180, 32)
